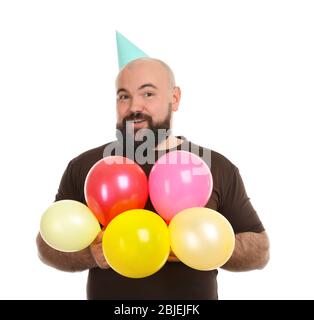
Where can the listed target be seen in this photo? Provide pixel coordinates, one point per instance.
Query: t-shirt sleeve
(67, 188)
(237, 208)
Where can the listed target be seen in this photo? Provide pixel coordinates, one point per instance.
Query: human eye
(148, 94)
(123, 97)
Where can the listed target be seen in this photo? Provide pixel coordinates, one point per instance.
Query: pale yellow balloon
(136, 243)
(201, 238)
(69, 226)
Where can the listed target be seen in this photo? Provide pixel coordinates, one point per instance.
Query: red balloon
(113, 185)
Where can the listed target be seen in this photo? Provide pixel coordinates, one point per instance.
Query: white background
(246, 70)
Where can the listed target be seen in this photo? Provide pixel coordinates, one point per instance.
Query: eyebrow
(145, 85)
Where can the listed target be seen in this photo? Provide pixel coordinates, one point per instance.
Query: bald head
(146, 89)
(149, 63)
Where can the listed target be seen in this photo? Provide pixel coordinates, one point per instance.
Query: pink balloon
(177, 181)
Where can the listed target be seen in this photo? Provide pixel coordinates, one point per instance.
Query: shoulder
(214, 159)
(222, 169)
(221, 161)
(84, 161)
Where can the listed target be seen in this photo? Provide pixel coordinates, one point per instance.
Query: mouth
(138, 120)
(136, 123)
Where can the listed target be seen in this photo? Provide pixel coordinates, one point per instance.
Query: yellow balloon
(201, 238)
(136, 243)
(69, 226)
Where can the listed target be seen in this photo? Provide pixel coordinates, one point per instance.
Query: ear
(176, 96)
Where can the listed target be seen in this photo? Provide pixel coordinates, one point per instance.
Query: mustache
(137, 116)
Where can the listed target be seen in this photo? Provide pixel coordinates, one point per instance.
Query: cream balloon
(201, 238)
(69, 226)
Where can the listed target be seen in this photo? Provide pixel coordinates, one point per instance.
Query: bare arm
(251, 252)
(88, 258)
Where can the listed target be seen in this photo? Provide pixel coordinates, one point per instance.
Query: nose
(136, 105)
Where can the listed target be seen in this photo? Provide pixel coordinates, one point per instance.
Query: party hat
(127, 51)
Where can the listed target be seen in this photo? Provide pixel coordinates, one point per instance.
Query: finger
(99, 237)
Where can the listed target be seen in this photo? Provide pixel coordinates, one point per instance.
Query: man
(146, 99)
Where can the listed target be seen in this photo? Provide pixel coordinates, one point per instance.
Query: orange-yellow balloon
(136, 243)
(201, 238)
(69, 226)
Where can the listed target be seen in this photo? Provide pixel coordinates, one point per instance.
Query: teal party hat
(127, 51)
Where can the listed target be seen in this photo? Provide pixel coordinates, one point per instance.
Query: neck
(169, 143)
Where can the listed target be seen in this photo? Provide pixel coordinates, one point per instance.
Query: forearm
(251, 252)
(65, 261)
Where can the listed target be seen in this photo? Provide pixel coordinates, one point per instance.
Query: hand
(97, 252)
(172, 257)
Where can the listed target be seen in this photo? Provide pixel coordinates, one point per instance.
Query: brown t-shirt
(174, 280)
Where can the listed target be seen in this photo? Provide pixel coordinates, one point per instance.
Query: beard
(155, 132)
